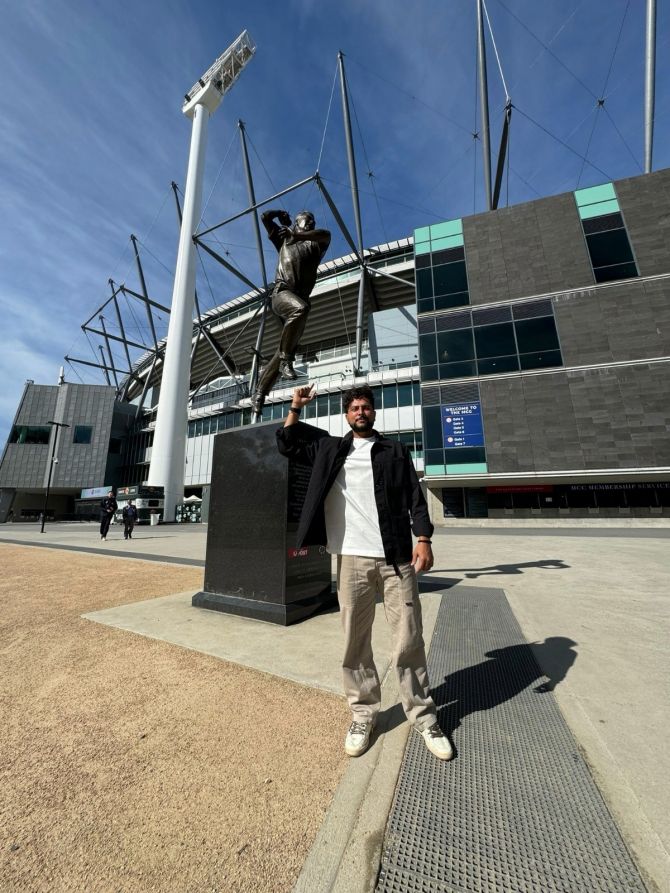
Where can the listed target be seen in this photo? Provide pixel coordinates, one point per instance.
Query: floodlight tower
(169, 447)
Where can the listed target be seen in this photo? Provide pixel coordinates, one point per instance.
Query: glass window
(424, 283)
(495, 365)
(465, 455)
(536, 334)
(425, 305)
(390, 396)
(198, 428)
(448, 255)
(455, 346)
(30, 434)
(450, 278)
(495, 341)
(82, 434)
(335, 404)
(427, 349)
(434, 457)
(446, 302)
(416, 393)
(458, 370)
(541, 359)
(322, 405)
(609, 248)
(191, 429)
(618, 271)
(405, 393)
(310, 410)
(430, 373)
(266, 414)
(432, 427)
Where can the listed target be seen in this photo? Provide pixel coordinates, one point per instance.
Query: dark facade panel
(645, 204)
(529, 249)
(619, 323)
(79, 464)
(617, 417)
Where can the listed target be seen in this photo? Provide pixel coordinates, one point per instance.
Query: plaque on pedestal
(252, 567)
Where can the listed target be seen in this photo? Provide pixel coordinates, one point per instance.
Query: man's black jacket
(397, 491)
(108, 505)
(129, 513)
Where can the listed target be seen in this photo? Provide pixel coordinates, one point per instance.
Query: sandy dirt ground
(129, 764)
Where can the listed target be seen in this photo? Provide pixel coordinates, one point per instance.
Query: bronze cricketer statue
(301, 248)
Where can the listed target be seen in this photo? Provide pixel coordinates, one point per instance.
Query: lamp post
(57, 426)
(169, 445)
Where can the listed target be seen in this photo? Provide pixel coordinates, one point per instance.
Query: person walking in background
(362, 495)
(129, 514)
(107, 508)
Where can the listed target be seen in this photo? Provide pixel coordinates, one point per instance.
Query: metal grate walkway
(516, 811)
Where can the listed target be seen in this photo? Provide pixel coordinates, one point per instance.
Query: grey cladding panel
(645, 204)
(616, 417)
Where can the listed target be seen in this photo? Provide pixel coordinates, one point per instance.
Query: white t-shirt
(352, 521)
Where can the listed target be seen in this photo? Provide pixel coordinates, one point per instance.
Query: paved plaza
(591, 601)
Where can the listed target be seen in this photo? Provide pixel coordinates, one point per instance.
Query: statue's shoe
(286, 370)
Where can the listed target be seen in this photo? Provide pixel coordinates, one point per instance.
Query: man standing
(129, 514)
(301, 249)
(107, 508)
(362, 494)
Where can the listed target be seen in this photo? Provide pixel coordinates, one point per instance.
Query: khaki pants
(359, 580)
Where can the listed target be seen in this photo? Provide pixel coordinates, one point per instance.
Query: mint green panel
(447, 242)
(594, 194)
(435, 469)
(468, 468)
(422, 234)
(599, 209)
(448, 228)
(422, 248)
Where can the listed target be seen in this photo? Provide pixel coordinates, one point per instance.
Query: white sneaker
(358, 738)
(437, 742)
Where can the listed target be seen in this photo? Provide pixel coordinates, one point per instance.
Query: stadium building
(523, 354)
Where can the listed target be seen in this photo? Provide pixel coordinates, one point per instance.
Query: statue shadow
(517, 567)
(504, 674)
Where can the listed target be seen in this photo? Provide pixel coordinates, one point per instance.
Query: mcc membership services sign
(462, 425)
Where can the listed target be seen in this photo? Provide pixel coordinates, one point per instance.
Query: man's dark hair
(361, 393)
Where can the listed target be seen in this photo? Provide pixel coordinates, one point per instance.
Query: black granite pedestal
(252, 567)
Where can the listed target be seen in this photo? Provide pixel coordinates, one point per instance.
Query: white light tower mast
(169, 447)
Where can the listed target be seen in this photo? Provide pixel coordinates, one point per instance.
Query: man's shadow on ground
(500, 677)
(517, 567)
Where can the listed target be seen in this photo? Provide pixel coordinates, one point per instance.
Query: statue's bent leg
(294, 311)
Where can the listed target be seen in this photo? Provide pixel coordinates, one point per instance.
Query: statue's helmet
(304, 220)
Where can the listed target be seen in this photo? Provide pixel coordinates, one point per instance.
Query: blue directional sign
(462, 425)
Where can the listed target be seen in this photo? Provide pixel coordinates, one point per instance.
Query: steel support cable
(555, 36)
(367, 164)
(559, 140)
(548, 50)
(211, 291)
(385, 198)
(325, 128)
(601, 102)
(622, 138)
(216, 179)
(411, 96)
(339, 294)
(495, 50)
(74, 369)
(449, 173)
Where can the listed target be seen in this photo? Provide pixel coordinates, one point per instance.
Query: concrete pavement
(605, 587)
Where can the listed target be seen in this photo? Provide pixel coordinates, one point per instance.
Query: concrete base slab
(309, 653)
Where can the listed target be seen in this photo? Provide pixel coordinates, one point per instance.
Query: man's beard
(361, 426)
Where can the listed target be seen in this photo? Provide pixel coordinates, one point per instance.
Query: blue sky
(93, 134)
